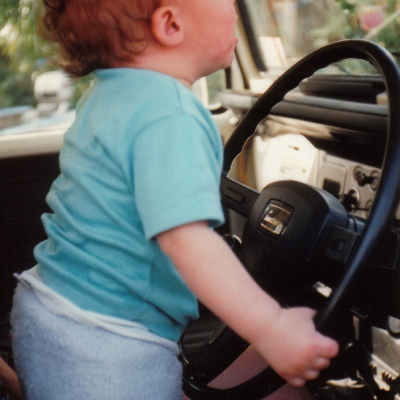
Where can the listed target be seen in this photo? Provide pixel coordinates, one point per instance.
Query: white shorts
(60, 359)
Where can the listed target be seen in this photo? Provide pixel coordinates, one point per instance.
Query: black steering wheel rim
(381, 213)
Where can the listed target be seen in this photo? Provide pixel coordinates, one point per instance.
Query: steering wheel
(290, 225)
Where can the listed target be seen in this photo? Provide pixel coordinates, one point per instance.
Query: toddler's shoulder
(146, 88)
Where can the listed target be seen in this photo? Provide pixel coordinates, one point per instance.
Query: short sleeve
(177, 169)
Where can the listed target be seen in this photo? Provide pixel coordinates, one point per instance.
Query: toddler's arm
(286, 338)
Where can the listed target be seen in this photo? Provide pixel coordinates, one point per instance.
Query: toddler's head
(186, 39)
(95, 34)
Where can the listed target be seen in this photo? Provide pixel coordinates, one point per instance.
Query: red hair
(95, 34)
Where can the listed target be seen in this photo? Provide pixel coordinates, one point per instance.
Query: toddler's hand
(293, 347)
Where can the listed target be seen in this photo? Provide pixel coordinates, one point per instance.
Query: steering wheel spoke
(238, 197)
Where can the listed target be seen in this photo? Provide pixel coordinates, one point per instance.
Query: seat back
(24, 183)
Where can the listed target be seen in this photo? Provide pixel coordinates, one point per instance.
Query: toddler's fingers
(301, 379)
(329, 347)
(322, 362)
(296, 381)
(311, 374)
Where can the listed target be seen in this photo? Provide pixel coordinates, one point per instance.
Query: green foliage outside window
(21, 58)
(17, 52)
(376, 20)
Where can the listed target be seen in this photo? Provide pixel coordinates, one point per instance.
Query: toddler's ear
(166, 26)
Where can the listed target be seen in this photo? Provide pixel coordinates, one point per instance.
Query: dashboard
(329, 132)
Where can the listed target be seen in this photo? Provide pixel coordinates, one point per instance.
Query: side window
(32, 91)
(215, 84)
(207, 89)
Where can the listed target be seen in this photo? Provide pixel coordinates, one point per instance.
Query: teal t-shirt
(143, 156)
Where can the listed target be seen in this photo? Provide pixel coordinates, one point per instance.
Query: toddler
(130, 243)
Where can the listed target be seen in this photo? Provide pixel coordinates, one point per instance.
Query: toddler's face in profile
(212, 31)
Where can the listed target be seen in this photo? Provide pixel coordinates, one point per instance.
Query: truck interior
(309, 116)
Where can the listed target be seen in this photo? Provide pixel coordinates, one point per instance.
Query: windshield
(302, 26)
